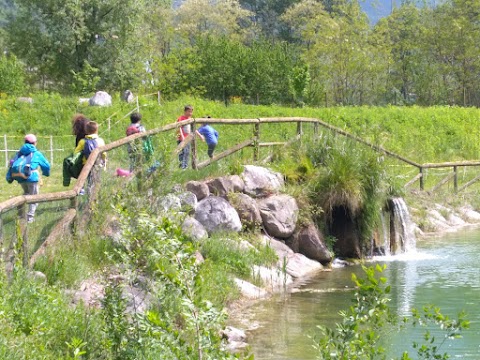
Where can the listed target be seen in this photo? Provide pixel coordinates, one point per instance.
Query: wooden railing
(72, 214)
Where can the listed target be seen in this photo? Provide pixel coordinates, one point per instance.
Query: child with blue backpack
(25, 167)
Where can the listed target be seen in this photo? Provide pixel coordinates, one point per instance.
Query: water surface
(444, 271)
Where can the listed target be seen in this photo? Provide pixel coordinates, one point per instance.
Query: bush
(12, 75)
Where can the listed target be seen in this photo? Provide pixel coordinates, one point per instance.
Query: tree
(12, 75)
(57, 38)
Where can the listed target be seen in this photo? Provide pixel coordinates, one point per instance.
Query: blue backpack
(90, 144)
(21, 167)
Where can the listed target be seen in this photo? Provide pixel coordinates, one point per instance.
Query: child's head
(91, 128)
(188, 110)
(78, 124)
(135, 117)
(30, 139)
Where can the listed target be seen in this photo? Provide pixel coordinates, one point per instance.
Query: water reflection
(444, 271)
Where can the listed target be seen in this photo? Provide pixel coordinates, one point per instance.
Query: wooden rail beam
(443, 182)
(226, 153)
(418, 176)
(467, 184)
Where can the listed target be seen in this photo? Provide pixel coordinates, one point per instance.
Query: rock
(38, 276)
(101, 98)
(188, 201)
(192, 228)
(280, 248)
(250, 291)
(247, 210)
(469, 214)
(127, 96)
(233, 334)
(260, 181)
(279, 215)
(222, 186)
(83, 100)
(298, 265)
(168, 203)
(28, 100)
(309, 242)
(274, 279)
(200, 189)
(216, 214)
(199, 259)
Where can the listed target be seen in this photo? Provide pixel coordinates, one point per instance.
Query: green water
(444, 271)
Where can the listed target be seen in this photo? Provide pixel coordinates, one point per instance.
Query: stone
(216, 214)
(250, 291)
(260, 181)
(274, 279)
(192, 228)
(279, 215)
(101, 98)
(280, 248)
(233, 334)
(200, 189)
(28, 100)
(309, 241)
(222, 186)
(247, 209)
(298, 265)
(168, 203)
(188, 201)
(127, 96)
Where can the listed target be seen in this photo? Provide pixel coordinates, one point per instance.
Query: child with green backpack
(24, 168)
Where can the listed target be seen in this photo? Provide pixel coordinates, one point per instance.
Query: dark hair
(78, 125)
(135, 117)
(91, 128)
(188, 107)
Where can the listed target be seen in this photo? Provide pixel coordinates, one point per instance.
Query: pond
(444, 271)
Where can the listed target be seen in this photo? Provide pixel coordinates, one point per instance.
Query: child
(87, 145)
(184, 131)
(29, 176)
(134, 153)
(211, 137)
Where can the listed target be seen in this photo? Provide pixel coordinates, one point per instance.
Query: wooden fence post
(256, 140)
(422, 183)
(299, 130)
(455, 179)
(194, 147)
(51, 150)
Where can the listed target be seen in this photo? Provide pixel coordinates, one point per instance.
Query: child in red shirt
(183, 132)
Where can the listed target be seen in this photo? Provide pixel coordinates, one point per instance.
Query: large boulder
(200, 189)
(222, 186)
(188, 201)
(298, 265)
(247, 209)
(101, 98)
(309, 242)
(192, 228)
(260, 181)
(250, 291)
(279, 214)
(216, 214)
(274, 279)
(280, 248)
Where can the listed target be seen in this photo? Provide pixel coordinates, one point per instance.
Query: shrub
(12, 75)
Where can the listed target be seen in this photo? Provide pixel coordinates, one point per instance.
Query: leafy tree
(57, 38)
(12, 75)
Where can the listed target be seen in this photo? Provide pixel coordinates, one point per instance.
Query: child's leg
(211, 149)
(186, 156)
(30, 188)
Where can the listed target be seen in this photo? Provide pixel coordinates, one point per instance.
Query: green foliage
(12, 75)
(359, 335)
(85, 81)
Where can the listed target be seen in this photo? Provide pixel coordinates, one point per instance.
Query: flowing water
(443, 271)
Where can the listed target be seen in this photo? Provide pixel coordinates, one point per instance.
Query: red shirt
(182, 129)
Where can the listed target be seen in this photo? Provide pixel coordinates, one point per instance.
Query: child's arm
(80, 146)
(201, 136)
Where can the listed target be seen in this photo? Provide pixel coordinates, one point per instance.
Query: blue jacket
(38, 160)
(210, 134)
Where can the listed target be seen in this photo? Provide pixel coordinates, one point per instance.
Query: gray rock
(101, 98)
(260, 181)
(280, 248)
(309, 242)
(127, 96)
(247, 209)
(200, 189)
(188, 201)
(216, 214)
(168, 203)
(250, 291)
(233, 334)
(279, 214)
(224, 185)
(298, 265)
(274, 279)
(28, 100)
(192, 228)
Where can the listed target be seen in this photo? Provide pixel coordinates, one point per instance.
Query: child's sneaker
(81, 192)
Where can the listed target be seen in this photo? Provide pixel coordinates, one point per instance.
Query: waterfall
(404, 237)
